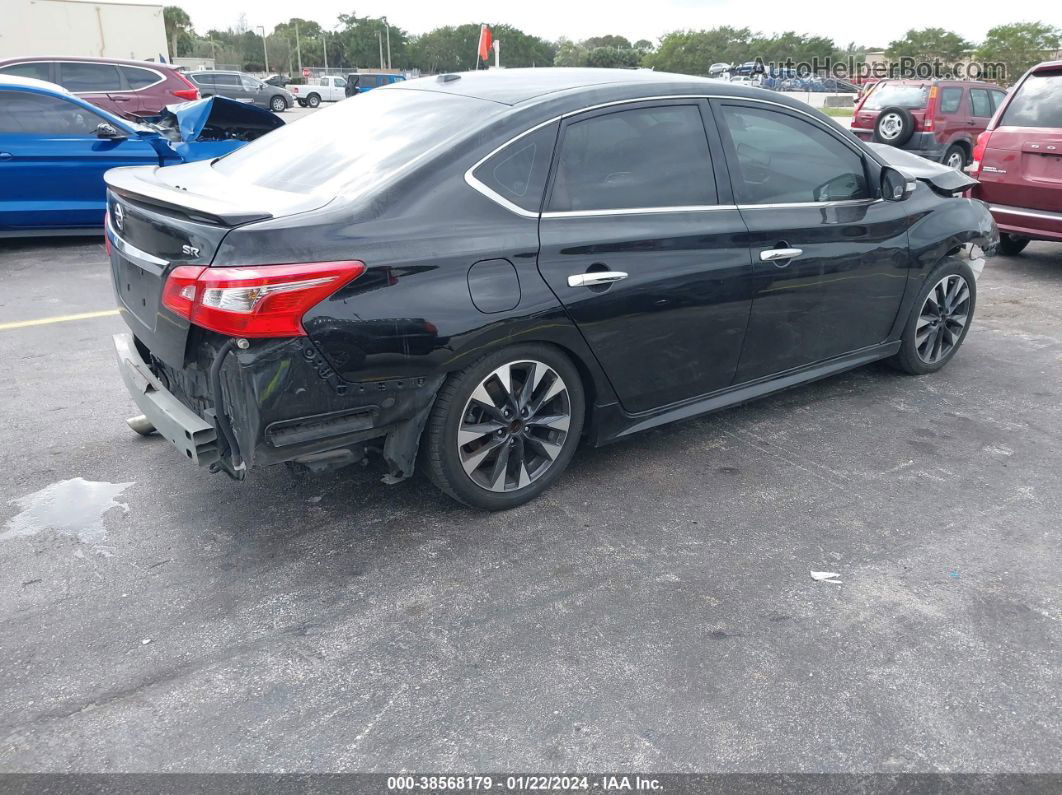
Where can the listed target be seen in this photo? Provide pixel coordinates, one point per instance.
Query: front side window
(250, 83)
(38, 70)
(37, 114)
(980, 102)
(630, 159)
(950, 98)
(783, 160)
(89, 77)
(518, 172)
(1038, 102)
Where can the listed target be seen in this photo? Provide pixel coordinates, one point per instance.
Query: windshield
(1038, 103)
(888, 95)
(356, 144)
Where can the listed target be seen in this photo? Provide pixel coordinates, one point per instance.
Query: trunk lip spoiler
(128, 183)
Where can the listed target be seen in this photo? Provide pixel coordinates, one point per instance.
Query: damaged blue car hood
(208, 128)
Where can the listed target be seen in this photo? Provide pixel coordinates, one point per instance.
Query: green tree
(694, 51)
(798, 47)
(569, 53)
(1018, 46)
(613, 58)
(618, 42)
(928, 45)
(363, 37)
(179, 32)
(453, 48)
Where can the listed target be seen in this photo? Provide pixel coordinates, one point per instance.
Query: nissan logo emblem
(119, 217)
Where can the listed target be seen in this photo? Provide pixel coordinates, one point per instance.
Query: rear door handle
(595, 277)
(6, 155)
(779, 254)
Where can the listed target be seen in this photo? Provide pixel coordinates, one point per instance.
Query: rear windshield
(356, 143)
(888, 95)
(1038, 103)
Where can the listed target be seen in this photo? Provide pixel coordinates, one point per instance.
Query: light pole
(379, 38)
(388, 26)
(324, 46)
(298, 48)
(265, 52)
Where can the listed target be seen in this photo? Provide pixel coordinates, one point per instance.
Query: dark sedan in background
(477, 270)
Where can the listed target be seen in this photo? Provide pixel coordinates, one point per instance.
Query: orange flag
(485, 41)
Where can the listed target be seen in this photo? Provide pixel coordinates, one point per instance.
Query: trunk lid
(161, 218)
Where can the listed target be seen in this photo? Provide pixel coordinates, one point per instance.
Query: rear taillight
(190, 93)
(930, 118)
(254, 301)
(294, 89)
(980, 146)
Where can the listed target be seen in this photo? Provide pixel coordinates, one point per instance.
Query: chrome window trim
(118, 66)
(476, 185)
(1002, 208)
(161, 77)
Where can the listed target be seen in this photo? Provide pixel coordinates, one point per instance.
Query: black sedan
(476, 271)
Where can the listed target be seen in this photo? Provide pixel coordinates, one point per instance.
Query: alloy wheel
(890, 126)
(943, 318)
(514, 426)
(955, 160)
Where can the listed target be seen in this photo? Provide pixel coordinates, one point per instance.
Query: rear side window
(980, 103)
(890, 94)
(38, 70)
(202, 80)
(997, 99)
(354, 147)
(137, 78)
(643, 157)
(1038, 102)
(518, 172)
(369, 81)
(89, 77)
(37, 114)
(233, 81)
(950, 99)
(784, 160)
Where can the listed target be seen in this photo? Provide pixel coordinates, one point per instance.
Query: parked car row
(331, 88)
(242, 88)
(56, 145)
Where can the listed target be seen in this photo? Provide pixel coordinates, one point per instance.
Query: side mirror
(895, 185)
(108, 132)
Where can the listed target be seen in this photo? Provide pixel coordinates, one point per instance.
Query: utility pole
(497, 54)
(298, 48)
(265, 52)
(379, 38)
(388, 24)
(324, 46)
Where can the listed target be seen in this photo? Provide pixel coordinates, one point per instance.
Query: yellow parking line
(44, 321)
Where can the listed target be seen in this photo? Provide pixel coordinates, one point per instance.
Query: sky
(860, 22)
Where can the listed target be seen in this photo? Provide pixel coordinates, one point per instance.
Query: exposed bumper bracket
(188, 432)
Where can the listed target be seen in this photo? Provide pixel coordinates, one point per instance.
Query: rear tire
(939, 321)
(313, 100)
(495, 446)
(302, 103)
(955, 157)
(1012, 245)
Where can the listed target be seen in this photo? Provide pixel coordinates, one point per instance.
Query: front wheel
(1012, 245)
(278, 105)
(313, 100)
(503, 430)
(939, 320)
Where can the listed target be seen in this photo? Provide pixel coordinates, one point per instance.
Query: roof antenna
(448, 78)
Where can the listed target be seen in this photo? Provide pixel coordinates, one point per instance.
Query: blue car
(55, 148)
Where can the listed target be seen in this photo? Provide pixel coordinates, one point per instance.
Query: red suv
(1018, 161)
(937, 119)
(125, 88)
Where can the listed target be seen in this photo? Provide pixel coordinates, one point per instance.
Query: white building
(75, 27)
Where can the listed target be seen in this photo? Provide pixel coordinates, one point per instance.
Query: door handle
(595, 277)
(6, 155)
(779, 254)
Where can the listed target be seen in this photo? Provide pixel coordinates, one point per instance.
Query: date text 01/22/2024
(525, 783)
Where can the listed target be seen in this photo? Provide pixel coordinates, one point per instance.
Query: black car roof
(519, 86)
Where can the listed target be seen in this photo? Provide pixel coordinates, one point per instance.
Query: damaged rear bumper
(191, 434)
(282, 404)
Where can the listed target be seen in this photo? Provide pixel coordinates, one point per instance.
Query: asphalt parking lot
(654, 611)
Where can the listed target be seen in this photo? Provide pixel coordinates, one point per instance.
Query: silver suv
(243, 88)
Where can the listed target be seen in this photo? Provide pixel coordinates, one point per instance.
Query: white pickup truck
(319, 89)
